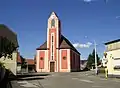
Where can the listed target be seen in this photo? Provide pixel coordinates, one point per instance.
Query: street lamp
(96, 68)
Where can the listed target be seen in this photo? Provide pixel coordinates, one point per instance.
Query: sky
(83, 21)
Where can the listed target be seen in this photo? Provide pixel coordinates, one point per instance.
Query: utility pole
(96, 69)
(27, 67)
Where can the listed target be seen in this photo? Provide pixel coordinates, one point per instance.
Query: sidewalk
(5, 83)
(92, 72)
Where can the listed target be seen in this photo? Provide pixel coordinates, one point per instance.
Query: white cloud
(78, 45)
(94, 0)
(89, 0)
(117, 17)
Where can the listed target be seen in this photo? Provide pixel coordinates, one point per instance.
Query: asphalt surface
(67, 80)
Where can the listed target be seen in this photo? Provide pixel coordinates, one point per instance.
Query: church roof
(64, 44)
(43, 46)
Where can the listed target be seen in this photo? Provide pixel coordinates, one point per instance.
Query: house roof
(64, 44)
(83, 61)
(9, 34)
(114, 41)
(30, 61)
(19, 58)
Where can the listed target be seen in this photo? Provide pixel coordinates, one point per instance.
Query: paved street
(68, 80)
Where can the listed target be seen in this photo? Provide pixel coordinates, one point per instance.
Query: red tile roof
(18, 58)
(30, 61)
(64, 44)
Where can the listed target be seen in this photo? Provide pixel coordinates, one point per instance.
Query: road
(67, 80)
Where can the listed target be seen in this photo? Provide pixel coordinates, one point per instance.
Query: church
(56, 54)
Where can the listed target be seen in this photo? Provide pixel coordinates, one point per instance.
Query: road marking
(83, 80)
(96, 86)
(90, 76)
(22, 82)
(103, 79)
(26, 84)
(74, 78)
(88, 81)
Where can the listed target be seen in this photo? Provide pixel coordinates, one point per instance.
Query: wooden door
(52, 66)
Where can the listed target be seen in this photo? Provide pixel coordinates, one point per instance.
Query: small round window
(64, 58)
(41, 58)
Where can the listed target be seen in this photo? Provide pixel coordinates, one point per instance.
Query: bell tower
(53, 28)
(53, 38)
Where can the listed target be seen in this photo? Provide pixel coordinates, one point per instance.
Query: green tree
(23, 64)
(91, 59)
(6, 47)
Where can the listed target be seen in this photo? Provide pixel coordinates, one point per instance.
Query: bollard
(106, 73)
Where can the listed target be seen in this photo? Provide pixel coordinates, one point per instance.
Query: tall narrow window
(52, 57)
(53, 23)
(52, 47)
(52, 38)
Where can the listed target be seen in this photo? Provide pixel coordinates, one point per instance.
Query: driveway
(67, 80)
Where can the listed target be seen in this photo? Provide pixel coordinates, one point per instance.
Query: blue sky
(97, 20)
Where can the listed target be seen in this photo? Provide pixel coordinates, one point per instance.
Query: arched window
(52, 22)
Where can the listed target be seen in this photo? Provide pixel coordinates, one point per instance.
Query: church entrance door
(52, 65)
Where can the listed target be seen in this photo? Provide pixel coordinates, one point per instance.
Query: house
(112, 57)
(10, 63)
(83, 64)
(30, 65)
(19, 62)
(35, 62)
(56, 54)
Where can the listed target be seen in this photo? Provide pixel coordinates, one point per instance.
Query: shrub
(2, 64)
(101, 70)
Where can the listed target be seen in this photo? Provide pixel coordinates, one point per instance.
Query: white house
(113, 57)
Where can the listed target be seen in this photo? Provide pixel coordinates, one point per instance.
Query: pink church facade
(57, 54)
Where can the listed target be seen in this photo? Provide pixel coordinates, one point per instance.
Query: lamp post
(96, 69)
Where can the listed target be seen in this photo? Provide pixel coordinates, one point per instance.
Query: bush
(101, 70)
(2, 64)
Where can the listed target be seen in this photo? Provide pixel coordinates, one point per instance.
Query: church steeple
(53, 21)
(53, 16)
(53, 30)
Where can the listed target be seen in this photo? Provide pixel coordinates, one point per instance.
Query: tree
(6, 47)
(23, 64)
(91, 59)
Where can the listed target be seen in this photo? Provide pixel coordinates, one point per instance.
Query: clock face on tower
(52, 23)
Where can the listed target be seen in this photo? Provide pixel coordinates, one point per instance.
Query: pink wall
(52, 30)
(75, 61)
(41, 62)
(71, 59)
(64, 61)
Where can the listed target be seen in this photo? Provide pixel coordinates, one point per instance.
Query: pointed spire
(53, 15)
